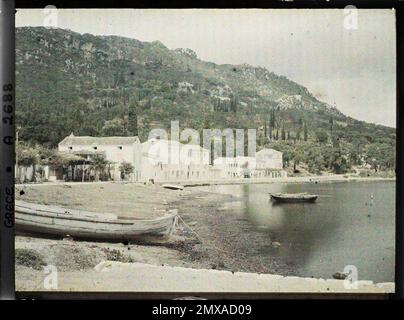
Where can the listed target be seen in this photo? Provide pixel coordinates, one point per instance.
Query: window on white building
(120, 147)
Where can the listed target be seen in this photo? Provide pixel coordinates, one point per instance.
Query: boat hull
(294, 199)
(173, 186)
(78, 225)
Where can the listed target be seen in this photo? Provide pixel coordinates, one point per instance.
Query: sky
(345, 58)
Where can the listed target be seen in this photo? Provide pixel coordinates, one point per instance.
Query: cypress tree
(132, 120)
(305, 131)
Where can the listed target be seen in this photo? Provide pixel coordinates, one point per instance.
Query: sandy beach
(204, 238)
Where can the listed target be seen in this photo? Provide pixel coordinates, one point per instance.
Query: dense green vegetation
(107, 85)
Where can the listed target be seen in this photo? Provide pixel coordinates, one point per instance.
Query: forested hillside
(108, 85)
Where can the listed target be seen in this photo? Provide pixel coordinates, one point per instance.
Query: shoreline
(221, 244)
(233, 181)
(305, 179)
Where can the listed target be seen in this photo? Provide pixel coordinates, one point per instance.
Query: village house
(167, 160)
(116, 150)
(236, 167)
(269, 164)
(266, 163)
(163, 160)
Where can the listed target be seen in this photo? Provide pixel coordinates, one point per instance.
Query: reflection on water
(350, 224)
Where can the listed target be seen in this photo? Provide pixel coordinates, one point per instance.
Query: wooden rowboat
(294, 197)
(57, 221)
(173, 186)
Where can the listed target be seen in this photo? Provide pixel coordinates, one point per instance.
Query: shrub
(29, 258)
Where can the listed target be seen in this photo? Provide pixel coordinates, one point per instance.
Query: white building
(269, 159)
(269, 164)
(237, 167)
(116, 150)
(266, 163)
(166, 160)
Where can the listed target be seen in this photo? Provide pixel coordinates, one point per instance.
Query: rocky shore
(204, 238)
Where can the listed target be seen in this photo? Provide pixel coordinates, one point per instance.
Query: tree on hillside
(339, 162)
(114, 127)
(300, 122)
(298, 134)
(313, 158)
(297, 157)
(321, 136)
(233, 103)
(388, 158)
(331, 121)
(354, 154)
(132, 119)
(273, 118)
(305, 131)
(380, 156)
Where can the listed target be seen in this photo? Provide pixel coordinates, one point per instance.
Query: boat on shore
(57, 221)
(173, 186)
(294, 197)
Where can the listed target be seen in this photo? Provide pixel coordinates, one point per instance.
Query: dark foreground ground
(206, 236)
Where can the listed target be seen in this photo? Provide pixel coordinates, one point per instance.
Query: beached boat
(57, 221)
(294, 197)
(173, 186)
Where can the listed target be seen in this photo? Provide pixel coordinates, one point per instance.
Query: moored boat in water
(294, 197)
(173, 186)
(57, 221)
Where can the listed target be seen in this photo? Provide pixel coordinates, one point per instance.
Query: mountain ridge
(111, 85)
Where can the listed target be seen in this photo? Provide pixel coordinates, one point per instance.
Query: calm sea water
(352, 223)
